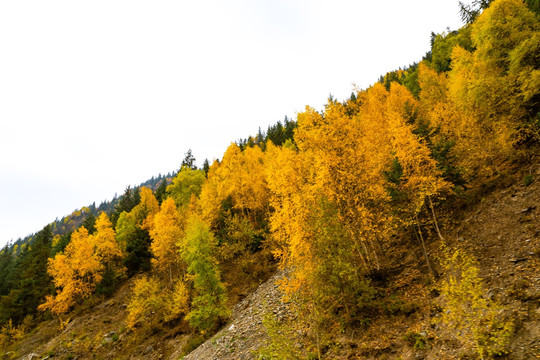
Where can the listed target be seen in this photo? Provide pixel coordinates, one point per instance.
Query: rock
(148, 350)
(31, 356)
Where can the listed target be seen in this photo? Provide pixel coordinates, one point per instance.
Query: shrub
(479, 322)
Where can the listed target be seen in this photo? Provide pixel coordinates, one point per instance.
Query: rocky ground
(244, 333)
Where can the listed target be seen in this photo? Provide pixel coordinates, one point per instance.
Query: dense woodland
(321, 195)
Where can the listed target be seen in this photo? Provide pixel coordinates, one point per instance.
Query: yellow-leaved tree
(166, 232)
(147, 208)
(80, 268)
(75, 273)
(235, 202)
(496, 87)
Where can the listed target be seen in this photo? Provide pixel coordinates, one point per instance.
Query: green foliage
(189, 161)
(61, 244)
(161, 191)
(28, 282)
(138, 252)
(283, 341)
(443, 44)
(186, 183)
(278, 134)
(7, 263)
(416, 340)
(411, 80)
(208, 305)
(206, 166)
(127, 202)
(193, 342)
(479, 322)
(90, 223)
(469, 12)
(393, 176)
(528, 179)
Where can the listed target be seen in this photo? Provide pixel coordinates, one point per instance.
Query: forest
(324, 196)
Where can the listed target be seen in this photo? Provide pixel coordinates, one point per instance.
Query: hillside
(401, 222)
(502, 231)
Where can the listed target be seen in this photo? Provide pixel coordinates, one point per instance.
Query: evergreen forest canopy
(321, 196)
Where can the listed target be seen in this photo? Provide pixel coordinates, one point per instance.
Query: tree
(26, 279)
(90, 223)
(469, 12)
(127, 201)
(208, 305)
(107, 248)
(206, 166)
(189, 161)
(147, 304)
(187, 183)
(146, 209)
(110, 255)
(492, 97)
(133, 236)
(167, 230)
(161, 191)
(80, 268)
(75, 273)
(126, 227)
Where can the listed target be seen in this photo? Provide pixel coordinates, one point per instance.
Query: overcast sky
(97, 95)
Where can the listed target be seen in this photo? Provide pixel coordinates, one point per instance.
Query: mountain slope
(503, 234)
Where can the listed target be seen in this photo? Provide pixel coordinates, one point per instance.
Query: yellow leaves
(77, 271)
(179, 301)
(166, 231)
(147, 303)
(420, 177)
(147, 208)
(106, 245)
(502, 27)
(241, 175)
(332, 208)
(480, 322)
(239, 178)
(55, 240)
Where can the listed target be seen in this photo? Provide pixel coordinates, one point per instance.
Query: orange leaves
(332, 206)
(75, 273)
(421, 177)
(106, 245)
(78, 270)
(240, 178)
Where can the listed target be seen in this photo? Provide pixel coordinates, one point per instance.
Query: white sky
(97, 95)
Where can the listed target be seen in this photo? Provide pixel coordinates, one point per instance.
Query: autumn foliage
(328, 200)
(78, 270)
